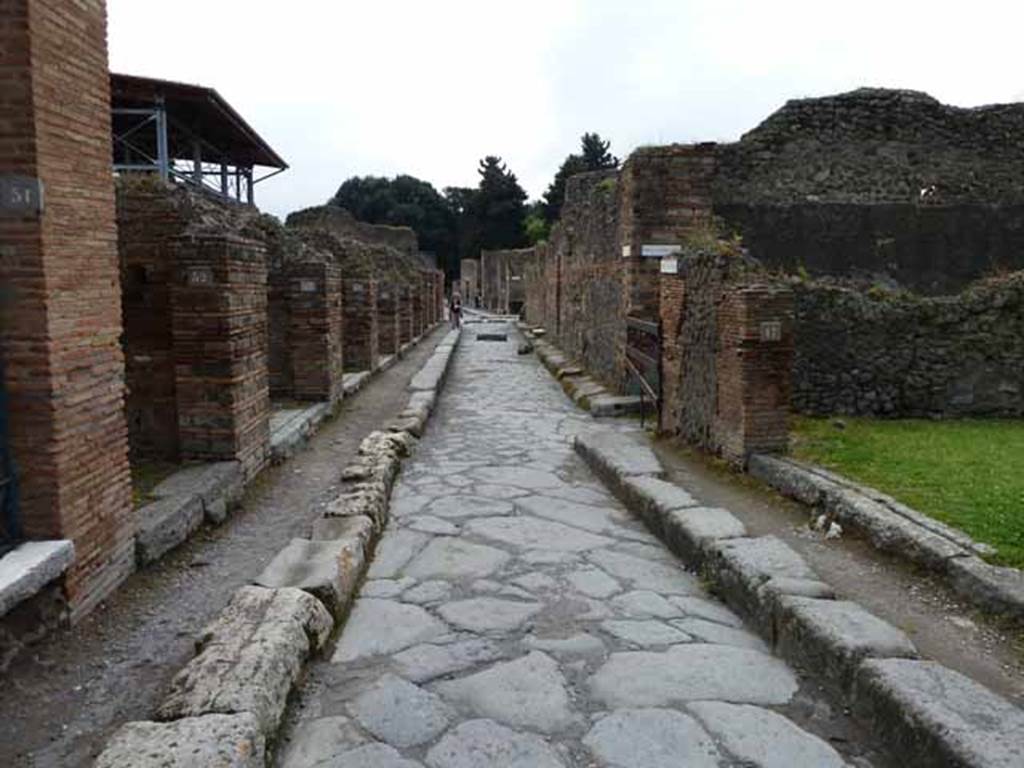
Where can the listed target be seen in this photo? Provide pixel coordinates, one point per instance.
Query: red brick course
(360, 335)
(219, 323)
(61, 318)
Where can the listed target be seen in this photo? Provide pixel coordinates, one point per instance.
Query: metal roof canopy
(187, 133)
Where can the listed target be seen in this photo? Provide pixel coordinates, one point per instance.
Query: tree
(500, 206)
(594, 156)
(536, 225)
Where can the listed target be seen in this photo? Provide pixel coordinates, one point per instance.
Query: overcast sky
(428, 87)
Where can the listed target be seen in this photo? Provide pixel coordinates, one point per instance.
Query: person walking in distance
(455, 310)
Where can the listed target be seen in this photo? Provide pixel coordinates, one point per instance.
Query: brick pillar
(360, 335)
(753, 370)
(387, 318)
(219, 322)
(60, 292)
(416, 293)
(315, 330)
(672, 306)
(665, 194)
(406, 331)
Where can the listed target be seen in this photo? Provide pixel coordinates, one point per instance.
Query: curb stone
(582, 389)
(230, 698)
(250, 656)
(935, 716)
(901, 531)
(926, 713)
(225, 741)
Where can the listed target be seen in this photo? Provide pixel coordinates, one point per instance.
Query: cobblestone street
(516, 615)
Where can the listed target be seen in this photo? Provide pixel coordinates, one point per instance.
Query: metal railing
(643, 361)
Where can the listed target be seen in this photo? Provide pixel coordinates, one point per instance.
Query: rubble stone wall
(882, 183)
(872, 352)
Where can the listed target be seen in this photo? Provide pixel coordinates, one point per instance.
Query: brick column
(672, 305)
(387, 318)
(360, 335)
(315, 330)
(416, 294)
(219, 323)
(753, 371)
(666, 193)
(406, 322)
(60, 308)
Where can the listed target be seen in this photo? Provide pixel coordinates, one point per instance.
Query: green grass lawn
(969, 474)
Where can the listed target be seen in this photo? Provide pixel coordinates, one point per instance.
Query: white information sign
(669, 266)
(655, 251)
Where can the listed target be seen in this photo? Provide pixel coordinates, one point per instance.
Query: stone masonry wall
(494, 280)
(219, 322)
(315, 330)
(469, 282)
(665, 195)
(590, 305)
(872, 352)
(360, 333)
(882, 183)
(388, 319)
(60, 318)
(727, 340)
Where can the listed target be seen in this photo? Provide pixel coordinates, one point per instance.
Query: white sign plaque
(655, 251)
(670, 266)
(199, 276)
(771, 330)
(627, 251)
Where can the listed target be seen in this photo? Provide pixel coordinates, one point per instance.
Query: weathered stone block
(224, 741)
(993, 588)
(688, 531)
(740, 567)
(164, 524)
(334, 528)
(927, 714)
(832, 637)
(614, 457)
(250, 656)
(328, 570)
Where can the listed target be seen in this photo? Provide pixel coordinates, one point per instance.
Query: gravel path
(60, 703)
(516, 616)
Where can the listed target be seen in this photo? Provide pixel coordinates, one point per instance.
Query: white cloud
(427, 88)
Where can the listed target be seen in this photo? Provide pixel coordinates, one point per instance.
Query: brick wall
(727, 350)
(406, 315)
(666, 193)
(360, 334)
(469, 282)
(315, 330)
(149, 217)
(387, 318)
(494, 280)
(61, 320)
(219, 322)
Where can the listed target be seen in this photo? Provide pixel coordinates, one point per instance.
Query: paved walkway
(516, 616)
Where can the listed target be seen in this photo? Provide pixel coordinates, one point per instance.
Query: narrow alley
(532, 621)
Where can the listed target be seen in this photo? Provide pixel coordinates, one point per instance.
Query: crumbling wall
(884, 183)
(339, 222)
(469, 282)
(727, 345)
(494, 280)
(875, 352)
(591, 305)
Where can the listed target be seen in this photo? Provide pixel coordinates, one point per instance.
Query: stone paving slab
(518, 616)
